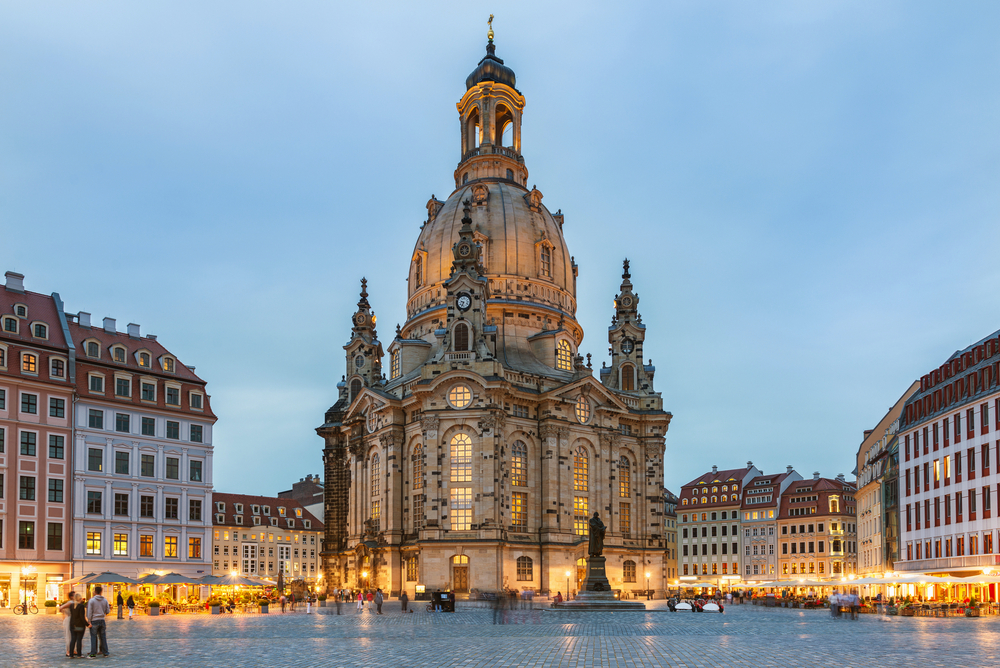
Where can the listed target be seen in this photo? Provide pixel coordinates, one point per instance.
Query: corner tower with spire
(626, 335)
(364, 352)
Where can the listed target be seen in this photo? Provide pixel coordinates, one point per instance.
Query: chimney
(84, 318)
(715, 469)
(109, 326)
(151, 337)
(749, 465)
(15, 281)
(840, 477)
(815, 475)
(788, 469)
(133, 330)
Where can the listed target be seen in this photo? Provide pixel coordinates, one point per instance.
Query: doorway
(460, 573)
(581, 573)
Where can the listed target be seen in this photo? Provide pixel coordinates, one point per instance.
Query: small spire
(625, 273)
(489, 35)
(364, 287)
(398, 332)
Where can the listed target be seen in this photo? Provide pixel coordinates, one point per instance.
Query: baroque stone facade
(477, 460)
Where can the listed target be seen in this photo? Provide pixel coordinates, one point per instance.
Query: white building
(142, 464)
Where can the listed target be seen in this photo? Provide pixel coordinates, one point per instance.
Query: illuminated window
(461, 458)
(417, 482)
(628, 571)
(119, 354)
(581, 470)
(29, 363)
(418, 271)
(580, 518)
(564, 356)
(460, 396)
(394, 364)
(582, 409)
(461, 337)
(375, 464)
(93, 542)
(524, 569)
(411, 569)
(170, 547)
(519, 511)
(461, 508)
(168, 364)
(628, 378)
(121, 544)
(144, 360)
(625, 517)
(519, 464)
(624, 477)
(376, 515)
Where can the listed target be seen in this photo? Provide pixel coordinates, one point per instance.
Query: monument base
(596, 595)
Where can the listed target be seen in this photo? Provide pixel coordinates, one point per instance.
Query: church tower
(626, 335)
(364, 352)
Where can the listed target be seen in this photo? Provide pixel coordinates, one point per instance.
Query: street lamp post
(648, 596)
(24, 585)
(567, 585)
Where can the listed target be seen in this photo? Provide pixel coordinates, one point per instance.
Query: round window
(460, 396)
(582, 409)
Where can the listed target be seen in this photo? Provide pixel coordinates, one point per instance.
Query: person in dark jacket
(404, 599)
(130, 604)
(78, 626)
(121, 606)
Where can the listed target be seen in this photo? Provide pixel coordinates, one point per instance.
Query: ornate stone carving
(429, 423)
(480, 195)
(548, 430)
(494, 421)
(534, 199)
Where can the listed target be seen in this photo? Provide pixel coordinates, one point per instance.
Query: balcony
(465, 356)
(492, 150)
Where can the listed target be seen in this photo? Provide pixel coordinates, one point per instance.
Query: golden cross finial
(490, 33)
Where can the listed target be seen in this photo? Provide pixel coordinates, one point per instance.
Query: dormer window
(281, 510)
(168, 364)
(29, 363)
(194, 400)
(291, 523)
(10, 325)
(93, 349)
(21, 311)
(394, 365)
(545, 260)
(239, 508)
(267, 510)
(220, 518)
(144, 360)
(220, 506)
(118, 352)
(40, 331)
(307, 524)
(255, 509)
(256, 521)
(298, 512)
(564, 356)
(239, 519)
(274, 521)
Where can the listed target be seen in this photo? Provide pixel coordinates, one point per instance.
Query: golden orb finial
(490, 24)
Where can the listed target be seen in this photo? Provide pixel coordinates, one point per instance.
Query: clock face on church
(464, 302)
(626, 301)
(627, 346)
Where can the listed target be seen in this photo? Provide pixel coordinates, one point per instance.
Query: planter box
(51, 610)
(154, 611)
(972, 612)
(907, 612)
(216, 609)
(322, 604)
(263, 609)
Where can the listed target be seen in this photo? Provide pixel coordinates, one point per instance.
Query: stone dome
(491, 68)
(523, 249)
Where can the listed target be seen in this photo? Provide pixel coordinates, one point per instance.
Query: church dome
(491, 68)
(523, 249)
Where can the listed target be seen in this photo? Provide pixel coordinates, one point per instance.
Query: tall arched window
(376, 478)
(525, 570)
(624, 477)
(472, 130)
(564, 356)
(461, 458)
(581, 470)
(461, 336)
(394, 364)
(628, 378)
(417, 483)
(519, 464)
(418, 271)
(376, 507)
(545, 257)
(355, 388)
(628, 571)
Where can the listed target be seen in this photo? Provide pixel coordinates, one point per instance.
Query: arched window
(504, 126)
(564, 356)
(461, 458)
(418, 271)
(465, 178)
(628, 378)
(715, 499)
(684, 502)
(29, 363)
(545, 257)
(519, 464)
(376, 478)
(417, 483)
(394, 364)
(582, 409)
(724, 498)
(581, 470)
(461, 337)
(510, 175)
(355, 388)
(628, 571)
(525, 570)
(624, 477)
(472, 130)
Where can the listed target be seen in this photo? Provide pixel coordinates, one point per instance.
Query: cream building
(477, 462)
(262, 536)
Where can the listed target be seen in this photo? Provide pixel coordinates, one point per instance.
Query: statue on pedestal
(597, 531)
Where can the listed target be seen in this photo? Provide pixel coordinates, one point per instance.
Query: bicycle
(20, 610)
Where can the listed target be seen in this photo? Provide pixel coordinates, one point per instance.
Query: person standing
(404, 599)
(121, 605)
(67, 610)
(361, 601)
(378, 601)
(283, 601)
(130, 604)
(78, 624)
(97, 611)
(370, 599)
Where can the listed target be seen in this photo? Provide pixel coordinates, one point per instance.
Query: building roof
(821, 488)
(133, 344)
(43, 308)
(715, 478)
(272, 503)
(775, 480)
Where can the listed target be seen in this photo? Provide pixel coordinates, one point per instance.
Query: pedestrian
(121, 605)
(130, 604)
(855, 604)
(404, 599)
(370, 598)
(283, 602)
(361, 601)
(291, 602)
(67, 610)
(308, 604)
(497, 605)
(558, 598)
(97, 610)
(378, 600)
(78, 624)
(835, 604)
(337, 599)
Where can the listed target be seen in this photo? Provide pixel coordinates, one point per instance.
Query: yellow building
(478, 460)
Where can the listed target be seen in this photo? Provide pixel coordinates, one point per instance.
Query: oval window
(460, 396)
(582, 409)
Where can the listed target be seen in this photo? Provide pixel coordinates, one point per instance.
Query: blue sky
(808, 192)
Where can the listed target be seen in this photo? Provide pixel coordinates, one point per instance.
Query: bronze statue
(597, 531)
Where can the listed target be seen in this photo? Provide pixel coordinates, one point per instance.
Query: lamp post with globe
(567, 585)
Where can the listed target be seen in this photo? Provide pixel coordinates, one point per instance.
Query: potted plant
(263, 605)
(215, 605)
(154, 608)
(322, 600)
(50, 607)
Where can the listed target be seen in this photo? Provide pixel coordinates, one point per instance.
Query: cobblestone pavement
(743, 636)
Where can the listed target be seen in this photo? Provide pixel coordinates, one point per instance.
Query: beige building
(670, 535)
(262, 536)
(817, 530)
(477, 461)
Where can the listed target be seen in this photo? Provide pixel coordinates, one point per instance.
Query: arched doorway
(460, 573)
(581, 573)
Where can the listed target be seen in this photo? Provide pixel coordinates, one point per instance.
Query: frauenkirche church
(477, 461)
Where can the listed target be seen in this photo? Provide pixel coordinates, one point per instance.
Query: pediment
(591, 387)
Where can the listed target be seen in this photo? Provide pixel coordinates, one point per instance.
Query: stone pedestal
(596, 595)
